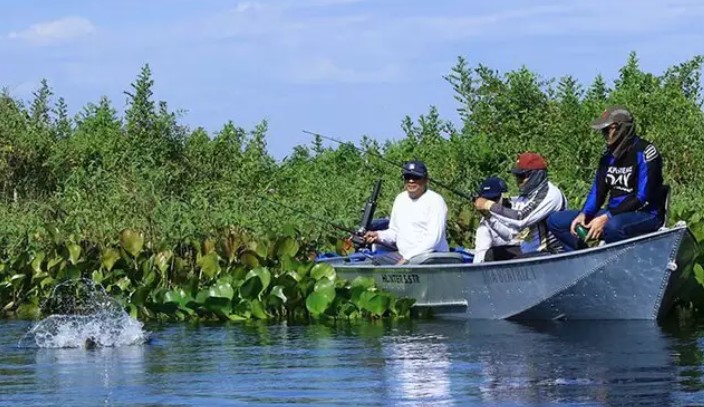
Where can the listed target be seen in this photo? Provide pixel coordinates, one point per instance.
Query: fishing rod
(302, 212)
(357, 235)
(470, 197)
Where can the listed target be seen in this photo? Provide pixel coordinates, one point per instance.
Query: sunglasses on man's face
(606, 130)
(521, 176)
(410, 177)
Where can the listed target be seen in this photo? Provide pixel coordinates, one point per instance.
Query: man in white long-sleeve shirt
(525, 220)
(418, 217)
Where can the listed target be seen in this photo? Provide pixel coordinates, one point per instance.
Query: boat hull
(634, 279)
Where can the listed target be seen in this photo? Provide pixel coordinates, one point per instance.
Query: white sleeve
(389, 235)
(437, 220)
(500, 228)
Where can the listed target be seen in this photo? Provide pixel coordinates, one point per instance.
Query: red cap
(528, 162)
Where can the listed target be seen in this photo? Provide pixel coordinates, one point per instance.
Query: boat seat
(437, 258)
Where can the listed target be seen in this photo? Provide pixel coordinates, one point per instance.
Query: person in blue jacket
(629, 175)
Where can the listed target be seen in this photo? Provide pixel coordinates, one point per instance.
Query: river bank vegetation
(170, 218)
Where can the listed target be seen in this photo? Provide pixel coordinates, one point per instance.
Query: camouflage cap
(614, 114)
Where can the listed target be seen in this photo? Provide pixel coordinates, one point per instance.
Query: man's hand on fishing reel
(371, 236)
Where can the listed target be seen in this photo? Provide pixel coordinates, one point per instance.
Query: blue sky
(339, 67)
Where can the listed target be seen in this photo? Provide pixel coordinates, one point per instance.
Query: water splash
(83, 315)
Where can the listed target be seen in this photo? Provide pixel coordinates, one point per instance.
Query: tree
(63, 122)
(39, 109)
(140, 113)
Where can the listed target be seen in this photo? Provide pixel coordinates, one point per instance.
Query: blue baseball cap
(416, 168)
(492, 188)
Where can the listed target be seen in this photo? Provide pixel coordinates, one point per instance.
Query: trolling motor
(367, 222)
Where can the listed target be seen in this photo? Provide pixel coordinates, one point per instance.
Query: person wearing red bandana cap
(525, 220)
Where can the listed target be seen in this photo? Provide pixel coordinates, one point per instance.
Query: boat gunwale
(521, 261)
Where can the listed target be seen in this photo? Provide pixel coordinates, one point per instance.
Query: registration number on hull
(400, 278)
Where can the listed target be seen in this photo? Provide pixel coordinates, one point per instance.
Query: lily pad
(202, 296)
(699, 273)
(220, 306)
(243, 309)
(37, 262)
(287, 263)
(149, 278)
(322, 270)
(364, 282)
(56, 260)
(132, 241)
(263, 274)
(263, 248)
(326, 288)
(249, 258)
(251, 288)
(377, 304)
(221, 291)
(286, 246)
(109, 258)
(317, 303)
(177, 296)
(162, 261)
(17, 280)
(74, 252)
(97, 276)
(278, 292)
(402, 306)
(348, 310)
(46, 281)
(258, 310)
(210, 264)
(140, 295)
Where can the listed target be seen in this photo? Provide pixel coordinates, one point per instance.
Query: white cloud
(354, 41)
(322, 70)
(56, 31)
(247, 6)
(291, 4)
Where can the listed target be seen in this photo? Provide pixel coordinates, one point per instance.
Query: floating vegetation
(81, 287)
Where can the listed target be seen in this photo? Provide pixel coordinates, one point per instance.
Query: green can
(582, 232)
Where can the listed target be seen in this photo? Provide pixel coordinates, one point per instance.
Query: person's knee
(553, 220)
(613, 230)
(560, 220)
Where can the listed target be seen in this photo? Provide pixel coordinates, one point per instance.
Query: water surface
(435, 363)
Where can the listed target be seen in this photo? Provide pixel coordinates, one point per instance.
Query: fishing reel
(357, 240)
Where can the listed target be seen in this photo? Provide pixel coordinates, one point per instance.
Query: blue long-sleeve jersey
(633, 182)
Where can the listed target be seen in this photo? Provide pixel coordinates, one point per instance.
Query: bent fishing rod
(470, 197)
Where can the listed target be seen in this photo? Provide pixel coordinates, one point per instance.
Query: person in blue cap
(486, 237)
(418, 217)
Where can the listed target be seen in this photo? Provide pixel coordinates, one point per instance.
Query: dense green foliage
(234, 278)
(87, 177)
